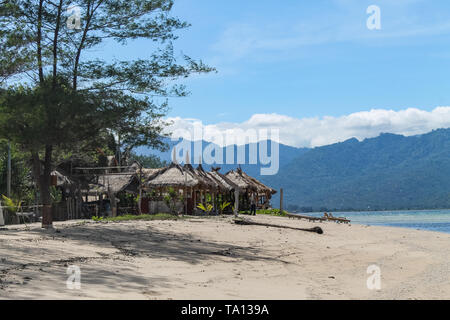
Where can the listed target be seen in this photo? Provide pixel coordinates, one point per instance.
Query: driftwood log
(252, 223)
(309, 218)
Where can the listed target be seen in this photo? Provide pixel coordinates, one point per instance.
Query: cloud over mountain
(313, 132)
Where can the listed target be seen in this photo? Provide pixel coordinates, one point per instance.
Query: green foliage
(171, 199)
(97, 219)
(150, 162)
(21, 180)
(13, 205)
(68, 100)
(223, 206)
(152, 194)
(55, 194)
(272, 212)
(206, 208)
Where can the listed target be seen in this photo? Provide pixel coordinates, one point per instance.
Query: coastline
(212, 258)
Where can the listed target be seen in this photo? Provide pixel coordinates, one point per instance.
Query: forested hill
(387, 172)
(286, 155)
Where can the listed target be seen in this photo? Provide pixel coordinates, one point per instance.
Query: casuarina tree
(58, 90)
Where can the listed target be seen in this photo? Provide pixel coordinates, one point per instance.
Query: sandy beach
(213, 258)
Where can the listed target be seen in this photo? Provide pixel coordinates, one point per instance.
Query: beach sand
(213, 258)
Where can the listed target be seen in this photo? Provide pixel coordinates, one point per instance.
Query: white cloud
(313, 132)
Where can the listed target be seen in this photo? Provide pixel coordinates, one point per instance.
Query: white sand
(215, 259)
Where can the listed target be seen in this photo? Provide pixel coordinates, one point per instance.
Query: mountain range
(389, 172)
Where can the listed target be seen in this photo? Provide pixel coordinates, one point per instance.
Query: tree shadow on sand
(119, 245)
(138, 241)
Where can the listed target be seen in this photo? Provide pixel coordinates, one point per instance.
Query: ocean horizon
(431, 220)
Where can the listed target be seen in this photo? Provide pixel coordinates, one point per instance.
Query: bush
(272, 212)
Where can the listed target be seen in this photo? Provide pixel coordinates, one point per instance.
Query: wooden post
(194, 200)
(100, 201)
(236, 202)
(185, 193)
(2, 220)
(113, 205)
(141, 177)
(8, 172)
(281, 200)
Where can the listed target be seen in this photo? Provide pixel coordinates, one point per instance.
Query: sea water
(432, 220)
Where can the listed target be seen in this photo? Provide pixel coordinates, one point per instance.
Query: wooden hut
(229, 191)
(161, 182)
(70, 206)
(251, 186)
(194, 185)
(114, 186)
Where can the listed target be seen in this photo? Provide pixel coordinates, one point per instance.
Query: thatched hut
(173, 184)
(116, 183)
(70, 204)
(111, 187)
(225, 183)
(251, 186)
(229, 191)
(194, 185)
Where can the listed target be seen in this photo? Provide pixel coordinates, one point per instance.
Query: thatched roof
(225, 183)
(116, 183)
(147, 173)
(244, 181)
(204, 177)
(173, 176)
(187, 176)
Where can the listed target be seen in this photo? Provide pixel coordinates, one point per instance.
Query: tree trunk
(43, 182)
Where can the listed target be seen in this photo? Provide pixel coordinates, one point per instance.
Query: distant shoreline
(356, 211)
(426, 220)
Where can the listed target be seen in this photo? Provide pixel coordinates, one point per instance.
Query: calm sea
(433, 220)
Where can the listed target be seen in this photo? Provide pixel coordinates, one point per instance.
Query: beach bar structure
(251, 186)
(103, 193)
(193, 185)
(71, 201)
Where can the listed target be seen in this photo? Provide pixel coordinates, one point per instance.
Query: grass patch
(272, 212)
(142, 217)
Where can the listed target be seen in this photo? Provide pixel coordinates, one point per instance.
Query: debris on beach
(249, 223)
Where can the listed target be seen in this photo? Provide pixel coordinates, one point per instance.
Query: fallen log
(252, 223)
(309, 218)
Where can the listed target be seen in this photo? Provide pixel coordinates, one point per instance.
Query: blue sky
(314, 60)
